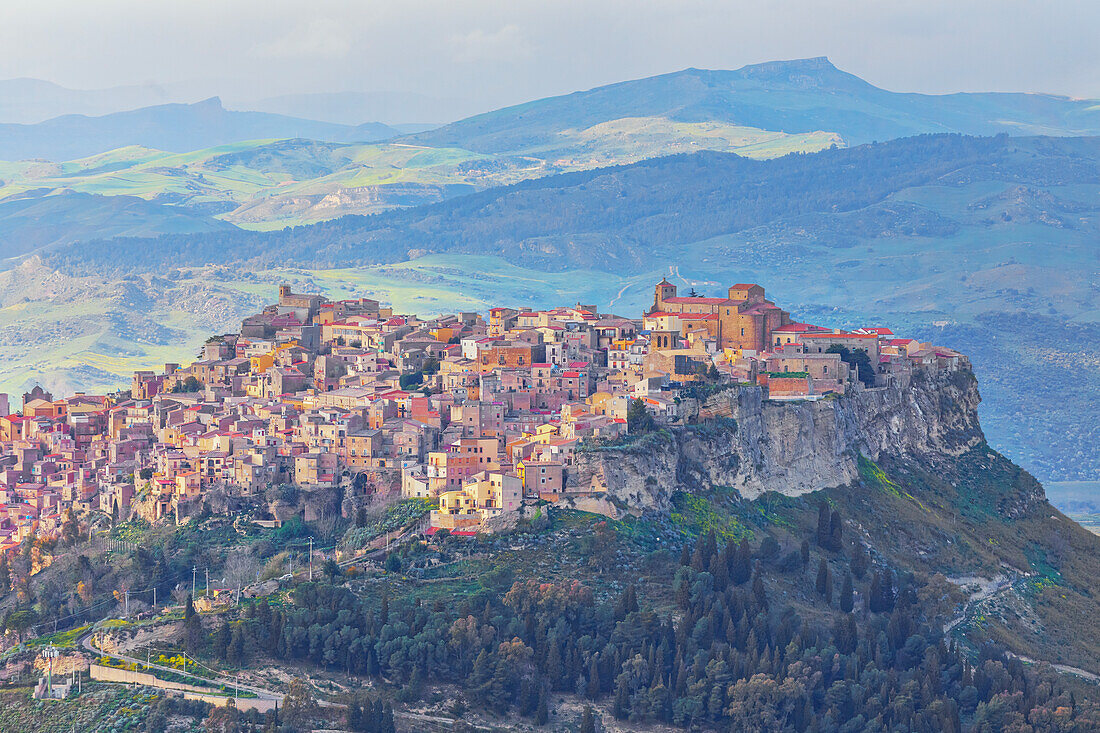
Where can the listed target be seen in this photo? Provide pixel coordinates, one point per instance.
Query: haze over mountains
(963, 240)
(172, 127)
(28, 101)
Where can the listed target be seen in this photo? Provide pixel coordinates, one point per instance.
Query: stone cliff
(737, 438)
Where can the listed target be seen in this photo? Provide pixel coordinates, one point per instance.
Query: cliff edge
(738, 438)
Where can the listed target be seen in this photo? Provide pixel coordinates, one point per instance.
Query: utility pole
(206, 592)
(154, 598)
(194, 570)
(127, 604)
(311, 559)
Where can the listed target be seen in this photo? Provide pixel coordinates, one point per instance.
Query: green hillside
(34, 223)
(801, 96)
(270, 184)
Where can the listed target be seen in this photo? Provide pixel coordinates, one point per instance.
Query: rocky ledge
(739, 439)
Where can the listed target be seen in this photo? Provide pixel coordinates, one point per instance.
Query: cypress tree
(836, 532)
(887, 590)
(235, 654)
(823, 525)
(846, 594)
(860, 561)
(593, 689)
(874, 594)
(542, 712)
(588, 723)
(822, 577)
(621, 707)
(221, 640)
(742, 564)
(698, 558)
(758, 593)
(553, 665)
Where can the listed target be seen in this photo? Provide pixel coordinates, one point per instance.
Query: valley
(748, 399)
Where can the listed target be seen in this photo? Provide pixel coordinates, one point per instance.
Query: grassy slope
(35, 224)
(261, 177)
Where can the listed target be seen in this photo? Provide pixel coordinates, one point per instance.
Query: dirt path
(990, 590)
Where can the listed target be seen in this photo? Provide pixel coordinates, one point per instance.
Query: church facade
(744, 319)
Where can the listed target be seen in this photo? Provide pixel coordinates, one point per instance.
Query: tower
(663, 292)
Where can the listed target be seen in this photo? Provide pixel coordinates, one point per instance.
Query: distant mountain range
(28, 101)
(399, 109)
(799, 96)
(172, 127)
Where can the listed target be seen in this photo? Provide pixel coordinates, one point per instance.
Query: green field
(269, 184)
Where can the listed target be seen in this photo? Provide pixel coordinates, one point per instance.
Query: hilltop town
(475, 415)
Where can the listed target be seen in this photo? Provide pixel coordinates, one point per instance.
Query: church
(744, 319)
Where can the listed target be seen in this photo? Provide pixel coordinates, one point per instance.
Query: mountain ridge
(174, 127)
(800, 95)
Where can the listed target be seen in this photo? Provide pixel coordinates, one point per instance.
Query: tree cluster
(731, 655)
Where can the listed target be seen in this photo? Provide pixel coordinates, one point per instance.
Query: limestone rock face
(738, 439)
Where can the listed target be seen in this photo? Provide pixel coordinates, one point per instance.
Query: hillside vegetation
(850, 609)
(269, 184)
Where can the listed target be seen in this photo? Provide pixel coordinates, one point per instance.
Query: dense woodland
(729, 656)
(607, 218)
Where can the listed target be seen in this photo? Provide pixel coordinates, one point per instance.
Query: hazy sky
(494, 53)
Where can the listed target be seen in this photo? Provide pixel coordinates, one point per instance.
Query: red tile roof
(798, 328)
(839, 335)
(699, 300)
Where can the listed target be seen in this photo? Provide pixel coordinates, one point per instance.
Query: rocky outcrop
(738, 439)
